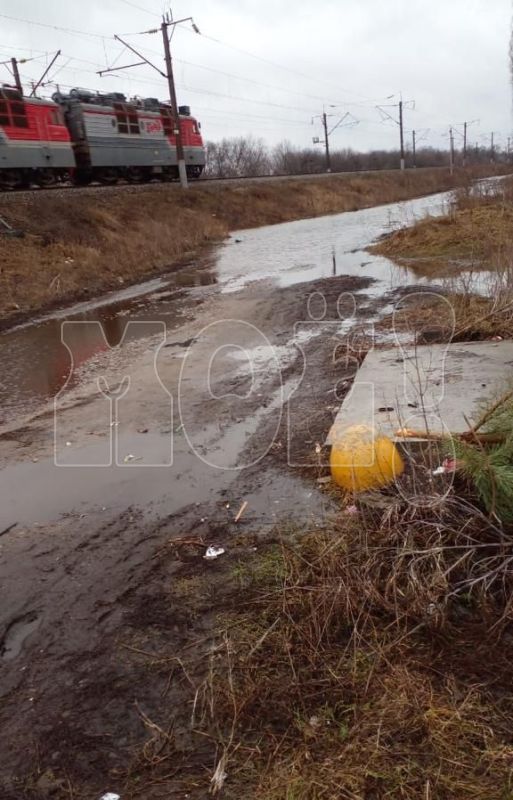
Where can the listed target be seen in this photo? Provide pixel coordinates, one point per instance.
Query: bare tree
(250, 156)
(237, 157)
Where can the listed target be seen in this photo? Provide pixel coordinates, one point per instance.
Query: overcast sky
(266, 67)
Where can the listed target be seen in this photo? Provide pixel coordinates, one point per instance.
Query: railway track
(201, 182)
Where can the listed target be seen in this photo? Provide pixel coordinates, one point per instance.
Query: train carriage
(113, 138)
(35, 145)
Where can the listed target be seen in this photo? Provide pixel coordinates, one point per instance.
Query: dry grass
(477, 233)
(78, 245)
(458, 316)
(369, 660)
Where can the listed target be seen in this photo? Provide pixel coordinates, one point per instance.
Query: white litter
(110, 796)
(213, 552)
(439, 471)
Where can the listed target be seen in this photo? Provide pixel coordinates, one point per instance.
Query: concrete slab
(432, 388)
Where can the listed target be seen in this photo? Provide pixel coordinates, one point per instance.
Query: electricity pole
(451, 156)
(326, 141)
(492, 150)
(16, 75)
(465, 144)
(414, 149)
(385, 115)
(401, 132)
(182, 169)
(327, 132)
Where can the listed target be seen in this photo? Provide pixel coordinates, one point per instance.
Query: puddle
(36, 365)
(17, 633)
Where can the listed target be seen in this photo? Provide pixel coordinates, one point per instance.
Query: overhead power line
(139, 8)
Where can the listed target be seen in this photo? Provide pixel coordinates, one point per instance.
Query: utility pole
(509, 147)
(16, 75)
(385, 115)
(182, 169)
(326, 141)
(327, 131)
(401, 132)
(414, 149)
(492, 150)
(451, 156)
(465, 144)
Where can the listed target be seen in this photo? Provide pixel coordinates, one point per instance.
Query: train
(86, 136)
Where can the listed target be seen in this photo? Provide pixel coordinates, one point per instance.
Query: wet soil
(83, 574)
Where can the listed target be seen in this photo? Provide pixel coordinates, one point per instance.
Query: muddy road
(147, 419)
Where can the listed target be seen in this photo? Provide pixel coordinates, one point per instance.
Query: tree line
(246, 155)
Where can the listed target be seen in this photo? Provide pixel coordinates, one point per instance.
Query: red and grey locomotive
(85, 136)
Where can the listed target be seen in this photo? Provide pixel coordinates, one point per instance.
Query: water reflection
(35, 362)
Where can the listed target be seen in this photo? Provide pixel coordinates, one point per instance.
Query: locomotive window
(127, 119)
(167, 122)
(13, 112)
(133, 121)
(56, 117)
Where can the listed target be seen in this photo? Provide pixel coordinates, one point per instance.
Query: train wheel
(193, 173)
(81, 177)
(137, 175)
(44, 177)
(170, 173)
(108, 177)
(11, 179)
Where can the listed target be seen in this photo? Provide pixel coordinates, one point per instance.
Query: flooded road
(36, 364)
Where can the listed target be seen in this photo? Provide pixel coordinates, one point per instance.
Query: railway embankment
(77, 244)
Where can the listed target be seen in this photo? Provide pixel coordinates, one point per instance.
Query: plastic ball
(361, 460)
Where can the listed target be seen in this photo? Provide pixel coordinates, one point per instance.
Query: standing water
(35, 363)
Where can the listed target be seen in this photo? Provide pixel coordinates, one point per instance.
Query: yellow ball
(360, 460)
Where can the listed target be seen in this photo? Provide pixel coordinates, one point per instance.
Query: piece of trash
(386, 408)
(142, 430)
(177, 430)
(361, 459)
(110, 796)
(351, 511)
(324, 479)
(496, 338)
(447, 466)
(131, 457)
(213, 552)
(68, 444)
(241, 511)
(318, 448)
